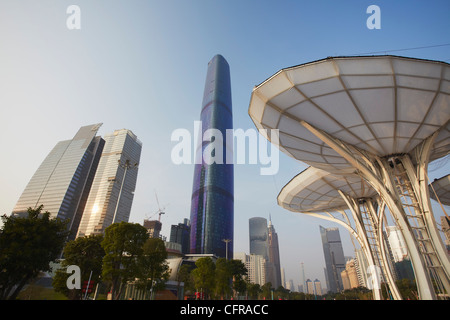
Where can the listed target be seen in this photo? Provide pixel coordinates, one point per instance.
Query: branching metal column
(368, 167)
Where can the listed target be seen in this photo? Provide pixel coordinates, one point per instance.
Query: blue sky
(141, 65)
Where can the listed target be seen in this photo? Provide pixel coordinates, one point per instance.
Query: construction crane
(159, 212)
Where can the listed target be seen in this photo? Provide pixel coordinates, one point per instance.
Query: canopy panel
(315, 190)
(382, 104)
(442, 188)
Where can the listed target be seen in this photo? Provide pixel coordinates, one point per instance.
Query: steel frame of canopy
(367, 226)
(427, 251)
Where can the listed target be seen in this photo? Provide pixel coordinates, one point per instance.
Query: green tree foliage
(407, 288)
(266, 291)
(184, 275)
(204, 276)
(153, 269)
(85, 252)
(123, 244)
(215, 280)
(27, 246)
(253, 290)
(222, 278)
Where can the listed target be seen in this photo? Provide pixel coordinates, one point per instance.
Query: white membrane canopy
(442, 188)
(385, 105)
(315, 190)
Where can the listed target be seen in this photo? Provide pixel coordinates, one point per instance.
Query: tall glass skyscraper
(63, 180)
(334, 258)
(258, 236)
(112, 191)
(264, 242)
(274, 275)
(212, 202)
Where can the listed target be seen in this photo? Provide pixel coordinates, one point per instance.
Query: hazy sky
(141, 65)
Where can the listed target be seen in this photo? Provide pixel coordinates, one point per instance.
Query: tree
(152, 265)
(408, 289)
(184, 275)
(204, 275)
(267, 290)
(123, 244)
(253, 290)
(27, 246)
(86, 253)
(222, 278)
(238, 272)
(281, 293)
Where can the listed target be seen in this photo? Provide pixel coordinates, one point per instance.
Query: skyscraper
(212, 202)
(256, 267)
(258, 234)
(180, 234)
(63, 180)
(334, 257)
(396, 243)
(274, 269)
(112, 190)
(264, 242)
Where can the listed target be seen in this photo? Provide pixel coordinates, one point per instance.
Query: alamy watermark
(74, 280)
(374, 21)
(73, 22)
(237, 150)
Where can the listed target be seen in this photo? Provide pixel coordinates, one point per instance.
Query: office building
(283, 277)
(264, 242)
(334, 257)
(180, 234)
(63, 181)
(258, 236)
(317, 287)
(112, 191)
(256, 267)
(274, 271)
(396, 243)
(349, 276)
(309, 286)
(212, 202)
(153, 228)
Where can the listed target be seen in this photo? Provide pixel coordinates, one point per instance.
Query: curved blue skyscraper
(212, 203)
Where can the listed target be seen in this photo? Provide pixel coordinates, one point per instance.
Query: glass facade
(63, 180)
(116, 177)
(258, 233)
(274, 276)
(334, 258)
(212, 203)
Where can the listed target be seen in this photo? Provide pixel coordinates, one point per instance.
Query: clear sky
(141, 65)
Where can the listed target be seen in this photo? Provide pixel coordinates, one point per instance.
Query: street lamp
(226, 245)
(126, 166)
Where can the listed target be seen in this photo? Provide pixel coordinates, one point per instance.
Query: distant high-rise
(302, 276)
(212, 202)
(264, 242)
(112, 190)
(256, 267)
(317, 287)
(274, 272)
(258, 236)
(396, 243)
(181, 234)
(63, 181)
(153, 228)
(334, 257)
(349, 275)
